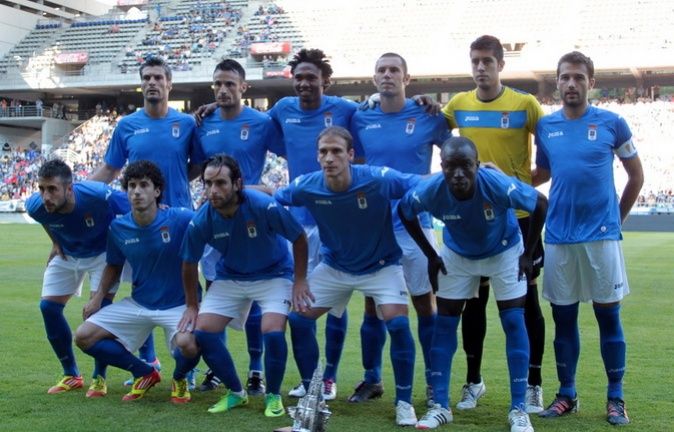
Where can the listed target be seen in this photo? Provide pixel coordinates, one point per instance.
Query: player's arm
(204, 111)
(190, 274)
(302, 296)
(536, 221)
(435, 263)
(105, 173)
(55, 246)
(109, 279)
(635, 180)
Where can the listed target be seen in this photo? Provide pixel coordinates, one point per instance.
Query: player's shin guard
(425, 327)
(113, 353)
(567, 347)
(402, 356)
(335, 334)
(101, 368)
(517, 353)
(276, 355)
(183, 364)
(372, 340)
(254, 337)
(445, 342)
(146, 351)
(474, 330)
(612, 342)
(533, 319)
(59, 335)
(305, 345)
(217, 357)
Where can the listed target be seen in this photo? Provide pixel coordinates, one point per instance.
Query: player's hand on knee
(92, 306)
(435, 265)
(302, 296)
(188, 322)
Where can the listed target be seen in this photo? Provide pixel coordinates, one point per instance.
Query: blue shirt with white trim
(579, 154)
(169, 142)
(246, 138)
(355, 226)
(82, 233)
(153, 251)
(252, 242)
(482, 226)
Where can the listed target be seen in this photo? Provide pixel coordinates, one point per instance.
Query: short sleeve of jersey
(196, 151)
(282, 222)
(113, 255)
(534, 113)
(624, 148)
(411, 204)
(286, 196)
(274, 137)
(448, 112)
(509, 192)
(195, 239)
(397, 184)
(280, 148)
(541, 157)
(117, 153)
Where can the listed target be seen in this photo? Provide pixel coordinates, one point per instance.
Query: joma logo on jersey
(373, 126)
(555, 134)
(212, 132)
(323, 202)
(175, 130)
(451, 217)
(220, 235)
(141, 131)
(131, 241)
(471, 118)
(293, 120)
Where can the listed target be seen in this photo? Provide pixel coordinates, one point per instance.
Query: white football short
(132, 323)
(463, 275)
(65, 277)
(232, 298)
(592, 271)
(414, 262)
(333, 288)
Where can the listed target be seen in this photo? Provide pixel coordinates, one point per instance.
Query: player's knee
(84, 337)
(424, 304)
(187, 344)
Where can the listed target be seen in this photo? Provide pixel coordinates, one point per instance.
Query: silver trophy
(311, 413)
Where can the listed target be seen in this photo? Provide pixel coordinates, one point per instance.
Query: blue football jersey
(82, 233)
(355, 226)
(482, 226)
(153, 251)
(169, 142)
(584, 204)
(252, 242)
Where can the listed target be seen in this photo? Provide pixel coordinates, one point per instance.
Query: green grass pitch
(28, 366)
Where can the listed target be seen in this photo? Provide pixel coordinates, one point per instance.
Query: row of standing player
(390, 77)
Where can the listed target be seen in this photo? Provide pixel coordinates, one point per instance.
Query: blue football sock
(517, 353)
(146, 351)
(612, 343)
(59, 335)
(183, 364)
(276, 355)
(305, 345)
(425, 327)
(217, 357)
(254, 337)
(402, 356)
(100, 368)
(442, 352)
(113, 353)
(372, 340)
(335, 334)
(567, 347)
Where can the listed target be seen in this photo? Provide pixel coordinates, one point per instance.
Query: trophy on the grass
(311, 413)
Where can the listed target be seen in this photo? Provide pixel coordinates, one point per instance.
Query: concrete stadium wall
(14, 26)
(19, 137)
(655, 223)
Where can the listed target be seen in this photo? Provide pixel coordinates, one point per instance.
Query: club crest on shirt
(327, 119)
(505, 120)
(165, 235)
(362, 201)
(175, 130)
(245, 131)
(592, 132)
(252, 230)
(89, 220)
(488, 211)
(409, 127)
